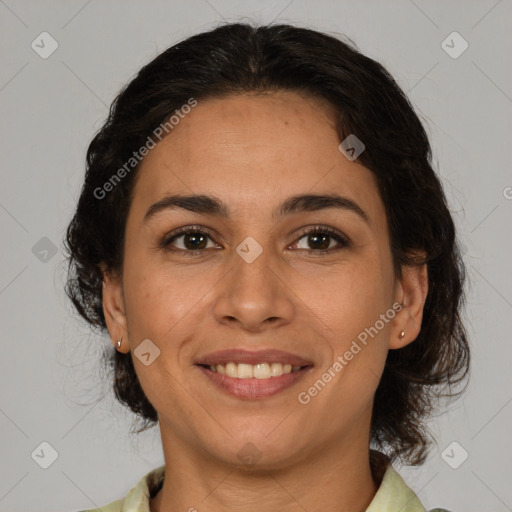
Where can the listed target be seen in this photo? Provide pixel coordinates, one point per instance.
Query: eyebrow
(211, 205)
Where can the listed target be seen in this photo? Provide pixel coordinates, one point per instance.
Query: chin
(258, 448)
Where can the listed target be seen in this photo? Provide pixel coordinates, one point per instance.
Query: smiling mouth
(253, 382)
(257, 371)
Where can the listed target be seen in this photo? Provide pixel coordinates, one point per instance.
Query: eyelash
(326, 230)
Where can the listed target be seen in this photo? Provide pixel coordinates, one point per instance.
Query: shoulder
(137, 499)
(393, 493)
(115, 506)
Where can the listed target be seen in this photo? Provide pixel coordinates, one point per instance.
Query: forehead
(254, 150)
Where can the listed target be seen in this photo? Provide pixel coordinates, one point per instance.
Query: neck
(332, 479)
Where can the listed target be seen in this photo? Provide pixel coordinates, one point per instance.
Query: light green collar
(393, 495)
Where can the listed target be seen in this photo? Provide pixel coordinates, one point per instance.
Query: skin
(253, 152)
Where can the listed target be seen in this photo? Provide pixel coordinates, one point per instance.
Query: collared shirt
(393, 495)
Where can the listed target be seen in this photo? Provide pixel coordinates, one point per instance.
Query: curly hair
(241, 58)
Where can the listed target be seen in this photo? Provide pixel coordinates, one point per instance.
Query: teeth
(257, 371)
(231, 370)
(244, 371)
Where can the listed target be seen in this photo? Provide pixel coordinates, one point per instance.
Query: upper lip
(239, 355)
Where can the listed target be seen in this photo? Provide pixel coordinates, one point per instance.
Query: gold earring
(118, 342)
(402, 334)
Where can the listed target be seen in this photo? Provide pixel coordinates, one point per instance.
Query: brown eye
(193, 241)
(319, 239)
(189, 240)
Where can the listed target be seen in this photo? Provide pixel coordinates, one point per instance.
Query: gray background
(50, 109)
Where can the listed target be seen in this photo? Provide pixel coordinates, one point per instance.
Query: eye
(320, 237)
(194, 240)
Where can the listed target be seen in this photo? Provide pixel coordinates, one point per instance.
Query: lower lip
(253, 389)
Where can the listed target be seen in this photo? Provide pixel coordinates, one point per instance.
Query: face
(250, 291)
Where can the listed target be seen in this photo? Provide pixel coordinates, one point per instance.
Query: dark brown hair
(238, 58)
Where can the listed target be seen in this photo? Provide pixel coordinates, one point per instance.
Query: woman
(262, 234)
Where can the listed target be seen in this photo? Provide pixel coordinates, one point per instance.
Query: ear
(113, 307)
(411, 291)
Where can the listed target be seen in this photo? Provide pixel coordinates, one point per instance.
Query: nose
(254, 295)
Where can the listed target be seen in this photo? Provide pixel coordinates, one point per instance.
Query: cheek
(153, 301)
(354, 296)
(358, 349)
(358, 312)
(163, 301)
